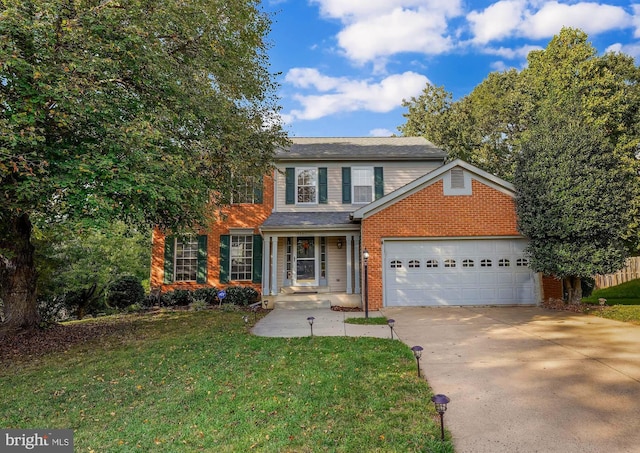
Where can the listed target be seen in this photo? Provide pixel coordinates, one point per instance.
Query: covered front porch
(311, 257)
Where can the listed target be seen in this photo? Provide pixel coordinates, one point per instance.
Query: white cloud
(339, 94)
(376, 29)
(629, 49)
(380, 132)
(537, 20)
(511, 53)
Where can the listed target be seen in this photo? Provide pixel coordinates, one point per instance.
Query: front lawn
(623, 302)
(198, 381)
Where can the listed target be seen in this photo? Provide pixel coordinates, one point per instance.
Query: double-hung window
(362, 184)
(247, 190)
(241, 257)
(306, 185)
(186, 266)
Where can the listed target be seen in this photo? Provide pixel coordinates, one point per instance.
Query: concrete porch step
(304, 290)
(301, 304)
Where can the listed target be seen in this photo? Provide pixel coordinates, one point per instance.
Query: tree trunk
(18, 275)
(573, 286)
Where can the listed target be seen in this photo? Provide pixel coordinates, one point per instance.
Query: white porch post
(266, 270)
(349, 241)
(274, 267)
(356, 255)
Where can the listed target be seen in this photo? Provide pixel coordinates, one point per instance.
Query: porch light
(417, 353)
(365, 260)
(391, 323)
(441, 401)
(310, 321)
(339, 244)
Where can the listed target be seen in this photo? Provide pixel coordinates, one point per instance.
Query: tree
(486, 127)
(137, 110)
(574, 197)
(78, 264)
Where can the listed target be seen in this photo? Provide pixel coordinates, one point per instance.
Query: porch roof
(278, 221)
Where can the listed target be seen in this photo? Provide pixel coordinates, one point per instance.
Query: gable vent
(457, 178)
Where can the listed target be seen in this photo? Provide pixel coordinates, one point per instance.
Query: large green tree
(574, 198)
(137, 110)
(486, 127)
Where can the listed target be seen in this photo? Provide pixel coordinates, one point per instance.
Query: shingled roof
(360, 148)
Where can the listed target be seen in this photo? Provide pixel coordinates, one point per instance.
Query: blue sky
(346, 65)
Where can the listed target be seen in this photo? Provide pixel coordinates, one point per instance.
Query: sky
(345, 66)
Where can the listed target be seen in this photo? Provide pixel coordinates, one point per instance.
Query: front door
(305, 259)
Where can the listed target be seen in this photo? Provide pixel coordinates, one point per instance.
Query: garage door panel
(490, 275)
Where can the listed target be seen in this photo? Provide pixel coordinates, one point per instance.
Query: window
(362, 183)
(247, 190)
(486, 263)
(467, 263)
(396, 264)
(414, 264)
(504, 262)
(306, 185)
(449, 263)
(431, 263)
(241, 257)
(186, 266)
(522, 262)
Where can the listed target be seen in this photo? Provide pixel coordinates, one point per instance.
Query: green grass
(375, 321)
(198, 381)
(625, 294)
(623, 302)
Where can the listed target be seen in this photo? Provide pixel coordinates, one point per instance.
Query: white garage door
(457, 272)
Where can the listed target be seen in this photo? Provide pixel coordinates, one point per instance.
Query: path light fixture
(365, 260)
(310, 320)
(440, 401)
(417, 353)
(245, 318)
(255, 313)
(391, 323)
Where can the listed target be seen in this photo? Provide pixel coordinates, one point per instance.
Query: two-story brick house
(435, 234)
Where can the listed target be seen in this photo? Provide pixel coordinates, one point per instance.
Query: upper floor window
(306, 185)
(362, 184)
(247, 190)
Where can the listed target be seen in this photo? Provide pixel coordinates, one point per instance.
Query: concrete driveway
(526, 379)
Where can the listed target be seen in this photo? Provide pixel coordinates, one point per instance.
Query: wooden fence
(630, 272)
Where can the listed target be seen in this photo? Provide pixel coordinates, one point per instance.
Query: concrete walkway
(520, 379)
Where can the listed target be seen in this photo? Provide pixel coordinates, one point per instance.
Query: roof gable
(438, 174)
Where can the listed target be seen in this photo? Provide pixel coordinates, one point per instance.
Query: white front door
(306, 262)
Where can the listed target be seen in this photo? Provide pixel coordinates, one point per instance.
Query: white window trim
(371, 184)
(306, 203)
(176, 241)
(240, 234)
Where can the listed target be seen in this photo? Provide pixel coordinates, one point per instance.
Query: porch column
(274, 266)
(266, 270)
(349, 241)
(357, 259)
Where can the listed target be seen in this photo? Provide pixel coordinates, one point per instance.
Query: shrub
(177, 298)
(208, 295)
(125, 291)
(240, 295)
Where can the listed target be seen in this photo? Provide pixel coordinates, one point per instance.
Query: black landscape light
(245, 318)
(440, 401)
(391, 323)
(417, 353)
(310, 319)
(365, 260)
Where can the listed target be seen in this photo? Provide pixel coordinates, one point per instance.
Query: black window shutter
(322, 186)
(225, 255)
(378, 181)
(257, 259)
(257, 190)
(346, 185)
(201, 274)
(291, 186)
(169, 250)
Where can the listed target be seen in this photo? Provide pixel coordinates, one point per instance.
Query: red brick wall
(235, 216)
(551, 288)
(429, 213)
